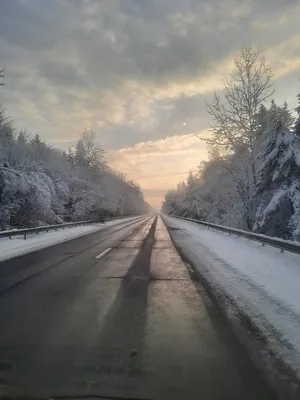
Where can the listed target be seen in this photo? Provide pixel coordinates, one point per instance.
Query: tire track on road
(121, 340)
(23, 263)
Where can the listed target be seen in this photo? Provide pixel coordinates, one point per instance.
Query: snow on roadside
(263, 282)
(18, 246)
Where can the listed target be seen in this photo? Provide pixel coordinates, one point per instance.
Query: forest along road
(116, 313)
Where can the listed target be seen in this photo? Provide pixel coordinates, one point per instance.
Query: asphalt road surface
(116, 313)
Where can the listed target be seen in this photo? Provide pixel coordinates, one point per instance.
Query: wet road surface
(116, 313)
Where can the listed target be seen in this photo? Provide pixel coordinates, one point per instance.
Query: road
(116, 313)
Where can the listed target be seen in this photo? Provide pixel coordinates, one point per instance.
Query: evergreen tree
(285, 117)
(22, 138)
(297, 124)
(278, 186)
(262, 118)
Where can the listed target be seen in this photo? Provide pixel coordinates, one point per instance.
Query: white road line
(103, 254)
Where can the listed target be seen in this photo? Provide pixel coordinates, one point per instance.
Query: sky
(137, 72)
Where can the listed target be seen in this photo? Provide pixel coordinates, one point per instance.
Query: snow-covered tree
(193, 200)
(252, 179)
(287, 120)
(43, 185)
(278, 186)
(297, 124)
(238, 119)
(262, 119)
(186, 201)
(279, 117)
(234, 120)
(89, 153)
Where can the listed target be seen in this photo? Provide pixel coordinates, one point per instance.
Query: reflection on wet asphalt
(132, 324)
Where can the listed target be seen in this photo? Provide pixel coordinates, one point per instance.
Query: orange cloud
(159, 165)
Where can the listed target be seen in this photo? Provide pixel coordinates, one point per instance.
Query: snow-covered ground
(262, 282)
(17, 245)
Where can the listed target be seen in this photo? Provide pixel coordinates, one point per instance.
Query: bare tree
(88, 150)
(234, 120)
(235, 124)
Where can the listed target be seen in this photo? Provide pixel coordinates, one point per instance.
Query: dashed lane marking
(104, 253)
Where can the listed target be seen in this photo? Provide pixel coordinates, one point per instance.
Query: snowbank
(17, 245)
(261, 282)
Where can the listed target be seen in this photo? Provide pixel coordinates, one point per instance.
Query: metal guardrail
(271, 241)
(47, 228)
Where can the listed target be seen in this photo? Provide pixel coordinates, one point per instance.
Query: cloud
(285, 56)
(159, 165)
(134, 71)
